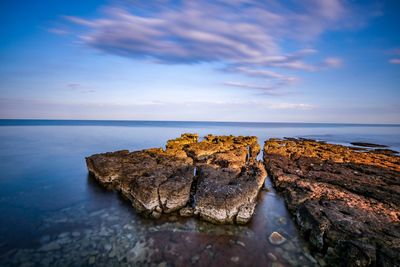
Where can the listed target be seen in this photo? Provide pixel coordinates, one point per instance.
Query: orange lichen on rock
(345, 201)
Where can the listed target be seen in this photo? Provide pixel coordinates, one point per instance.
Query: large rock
(346, 202)
(218, 178)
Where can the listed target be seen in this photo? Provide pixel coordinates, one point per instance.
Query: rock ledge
(217, 179)
(346, 202)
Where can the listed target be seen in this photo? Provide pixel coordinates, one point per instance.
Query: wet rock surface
(346, 202)
(217, 179)
(385, 151)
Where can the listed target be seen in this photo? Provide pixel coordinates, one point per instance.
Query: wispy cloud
(394, 61)
(77, 87)
(245, 35)
(300, 106)
(264, 73)
(333, 62)
(59, 31)
(156, 103)
(267, 90)
(73, 85)
(395, 54)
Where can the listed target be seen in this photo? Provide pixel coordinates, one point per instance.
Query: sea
(52, 213)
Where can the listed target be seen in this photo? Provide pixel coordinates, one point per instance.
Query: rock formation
(346, 202)
(217, 179)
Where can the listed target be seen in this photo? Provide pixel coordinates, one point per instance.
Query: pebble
(186, 212)
(272, 256)
(241, 243)
(278, 251)
(128, 227)
(235, 259)
(321, 262)
(277, 264)
(289, 246)
(282, 220)
(96, 213)
(103, 232)
(64, 241)
(76, 234)
(155, 214)
(50, 246)
(311, 258)
(63, 235)
(276, 238)
(92, 260)
(194, 259)
(112, 254)
(107, 247)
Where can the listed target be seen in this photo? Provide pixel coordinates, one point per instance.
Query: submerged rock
(346, 202)
(217, 179)
(276, 238)
(363, 144)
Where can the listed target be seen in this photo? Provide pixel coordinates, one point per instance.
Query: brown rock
(217, 179)
(276, 238)
(346, 202)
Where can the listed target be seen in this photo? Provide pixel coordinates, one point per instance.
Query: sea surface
(53, 214)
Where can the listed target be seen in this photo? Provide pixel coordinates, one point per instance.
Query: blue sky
(238, 60)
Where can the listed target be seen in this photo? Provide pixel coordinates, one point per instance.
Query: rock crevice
(346, 202)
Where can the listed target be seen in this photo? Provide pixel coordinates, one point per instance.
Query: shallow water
(52, 213)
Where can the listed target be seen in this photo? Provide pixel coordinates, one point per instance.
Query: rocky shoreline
(217, 179)
(346, 202)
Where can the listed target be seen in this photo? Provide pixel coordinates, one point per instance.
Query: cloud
(268, 90)
(265, 73)
(59, 31)
(78, 88)
(244, 35)
(73, 85)
(333, 62)
(394, 53)
(300, 106)
(394, 61)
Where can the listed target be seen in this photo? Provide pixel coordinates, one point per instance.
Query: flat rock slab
(217, 179)
(346, 202)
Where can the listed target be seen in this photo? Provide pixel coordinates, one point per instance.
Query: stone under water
(346, 202)
(217, 179)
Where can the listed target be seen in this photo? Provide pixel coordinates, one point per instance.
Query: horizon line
(198, 121)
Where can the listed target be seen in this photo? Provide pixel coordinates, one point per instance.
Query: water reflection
(114, 234)
(54, 214)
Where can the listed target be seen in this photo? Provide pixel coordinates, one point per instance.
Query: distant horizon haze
(25, 121)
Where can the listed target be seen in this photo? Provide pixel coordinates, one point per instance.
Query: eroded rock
(217, 179)
(346, 202)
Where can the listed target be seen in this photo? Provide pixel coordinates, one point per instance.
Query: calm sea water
(52, 213)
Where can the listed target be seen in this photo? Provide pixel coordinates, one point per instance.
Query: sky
(335, 61)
